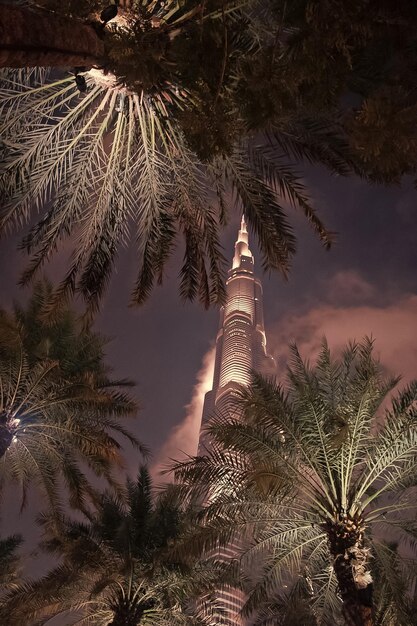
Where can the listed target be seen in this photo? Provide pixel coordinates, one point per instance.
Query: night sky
(366, 285)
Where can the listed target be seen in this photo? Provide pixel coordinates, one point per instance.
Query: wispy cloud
(392, 326)
(183, 439)
(348, 287)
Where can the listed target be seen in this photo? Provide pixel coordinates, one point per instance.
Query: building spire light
(242, 246)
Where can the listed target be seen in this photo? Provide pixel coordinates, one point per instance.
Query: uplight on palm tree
(321, 485)
(54, 422)
(157, 142)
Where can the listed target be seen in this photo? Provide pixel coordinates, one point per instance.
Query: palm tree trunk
(346, 542)
(36, 38)
(357, 603)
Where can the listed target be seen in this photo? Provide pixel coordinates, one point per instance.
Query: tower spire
(242, 249)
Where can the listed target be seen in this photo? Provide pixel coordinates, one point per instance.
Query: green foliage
(117, 567)
(140, 154)
(314, 481)
(186, 90)
(60, 411)
(9, 563)
(289, 609)
(357, 58)
(382, 132)
(79, 350)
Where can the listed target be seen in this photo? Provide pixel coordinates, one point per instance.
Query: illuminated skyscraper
(240, 348)
(241, 340)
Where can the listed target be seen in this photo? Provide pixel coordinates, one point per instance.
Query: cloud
(183, 440)
(348, 287)
(393, 327)
(348, 311)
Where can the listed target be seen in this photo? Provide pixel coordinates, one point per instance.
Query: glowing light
(106, 81)
(241, 246)
(241, 347)
(122, 22)
(183, 440)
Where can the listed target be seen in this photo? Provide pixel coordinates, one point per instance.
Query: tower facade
(241, 339)
(240, 348)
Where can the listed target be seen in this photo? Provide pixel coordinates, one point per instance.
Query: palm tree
(321, 483)
(79, 350)
(290, 608)
(33, 36)
(9, 563)
(116, 566)
(155, 146)
(329, 51)
(55, 420)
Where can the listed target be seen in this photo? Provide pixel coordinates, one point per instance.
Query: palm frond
(263, 213)
(55, 417)
(282, 178)
(119, 563)
(307, 478)
(316, 141)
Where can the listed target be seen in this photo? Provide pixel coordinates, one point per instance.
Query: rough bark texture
(126, 618)
(357, 603)
(346, 542)
(36, 38)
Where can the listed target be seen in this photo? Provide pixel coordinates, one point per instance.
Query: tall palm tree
(320, 483)
(55, 420)
(154, 146)
(116, 566)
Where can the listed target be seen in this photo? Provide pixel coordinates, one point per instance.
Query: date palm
(157, 146)
(80, 351)
(57, 419)
(321, 482)
(116, 566)
(9, 563)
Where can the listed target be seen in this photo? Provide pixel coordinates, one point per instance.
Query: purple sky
(366, 285)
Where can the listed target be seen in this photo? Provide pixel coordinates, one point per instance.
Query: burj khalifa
(240, 349)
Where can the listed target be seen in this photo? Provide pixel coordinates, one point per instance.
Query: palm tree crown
(117, 568)
(59, 409)
(149, 145)
(320, 485)
(194, 102)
